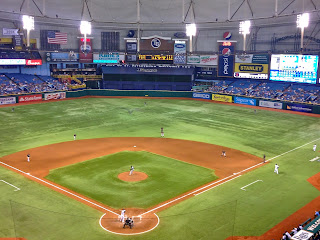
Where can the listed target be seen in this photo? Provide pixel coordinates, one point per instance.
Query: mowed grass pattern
(221, 212)
(98, 179)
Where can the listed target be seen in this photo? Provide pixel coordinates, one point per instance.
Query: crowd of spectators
(293, 92)
(32, 84)
(288, 235)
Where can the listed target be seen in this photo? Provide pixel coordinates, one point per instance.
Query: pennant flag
(57, 37)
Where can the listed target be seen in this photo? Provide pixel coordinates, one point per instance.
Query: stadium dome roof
(158, 13)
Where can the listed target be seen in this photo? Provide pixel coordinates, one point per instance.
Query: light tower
(191, 30)
(85, 28)
(244, 29)
(302, 22)
(28, 24)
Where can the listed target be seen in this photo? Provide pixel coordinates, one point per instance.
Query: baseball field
(69, 184)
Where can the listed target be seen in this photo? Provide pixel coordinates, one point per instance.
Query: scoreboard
(156, 58)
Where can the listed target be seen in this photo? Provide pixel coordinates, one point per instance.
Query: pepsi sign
(226, 61)
(227, 35)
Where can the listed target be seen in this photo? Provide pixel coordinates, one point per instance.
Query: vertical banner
(85, 55)
(180, 50)
(226, 61)
(17, 42)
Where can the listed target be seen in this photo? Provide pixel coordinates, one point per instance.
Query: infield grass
(98, 179)
(221, 212)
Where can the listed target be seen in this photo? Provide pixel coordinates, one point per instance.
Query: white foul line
(292, 150)
(250, 184)
(314, 159)
(218, 185)
(174, 200)
(17, 189)
(61, 189)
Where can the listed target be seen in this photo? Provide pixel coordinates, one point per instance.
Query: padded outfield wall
(242, 100)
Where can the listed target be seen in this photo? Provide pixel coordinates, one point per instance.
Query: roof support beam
(37, 7)
(237, 9)
(315, 7)
(250, 7)
(287, 6)
(21, 6)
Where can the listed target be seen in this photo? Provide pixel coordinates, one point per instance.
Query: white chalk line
(17, 189)
(314, 159)
(250, 184)
(218, 185)
(50, 184)
(129, 233)
(292, 150)
(174, 200)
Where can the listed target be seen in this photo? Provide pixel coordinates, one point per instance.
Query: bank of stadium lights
(244, 29)
(28, 24)
(302, 22)
(191, 30)
(85, 29)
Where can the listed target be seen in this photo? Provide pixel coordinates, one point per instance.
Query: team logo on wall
(156, 43)
(226, 52)
(227, 35)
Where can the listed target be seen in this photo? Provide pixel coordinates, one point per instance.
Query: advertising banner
(221, 98)
(195, 59)
(10, 31)
(245, 101)
(12, 62)
(268, 104)
(180, 50)
(251, 66)
(85, 55)
(202, 95)
(34, 62)
(58, 95)
(209, 60)
(62, 57)
(7, 100)
(299, 108)
(30, 98)
(302, 235)
(17, 42)
(108, 57)
(225, 61)
(156, 59)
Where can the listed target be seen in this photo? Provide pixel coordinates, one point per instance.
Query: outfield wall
(242, 100)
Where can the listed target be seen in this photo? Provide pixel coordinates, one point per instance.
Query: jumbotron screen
(294, 68)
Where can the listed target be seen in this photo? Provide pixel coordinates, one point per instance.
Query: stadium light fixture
(302, 22)
(191, 30)
(28, 24)
(85, 28)
(244, 29)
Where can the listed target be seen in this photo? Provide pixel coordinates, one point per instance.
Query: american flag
(57, 37)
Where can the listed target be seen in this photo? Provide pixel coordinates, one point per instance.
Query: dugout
(147, 77)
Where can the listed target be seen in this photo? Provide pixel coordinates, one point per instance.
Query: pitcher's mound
(135, 177)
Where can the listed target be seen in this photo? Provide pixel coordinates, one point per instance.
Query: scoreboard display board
(160, 59)
(294, 68)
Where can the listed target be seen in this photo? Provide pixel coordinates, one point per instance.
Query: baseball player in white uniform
(131, 170)
(74, 136)
(28, 157)
(276, 169)
(314, 147)
(122, 215)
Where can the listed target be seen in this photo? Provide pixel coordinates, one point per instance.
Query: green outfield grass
(98, 179)
(36, 212)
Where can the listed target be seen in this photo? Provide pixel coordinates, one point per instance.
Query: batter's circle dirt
(141, 224)
(134, 177)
